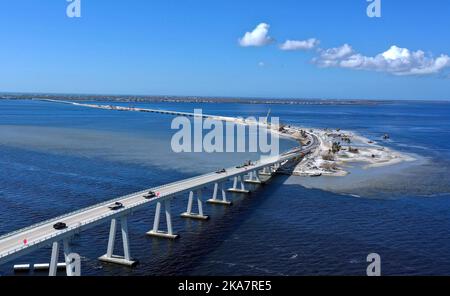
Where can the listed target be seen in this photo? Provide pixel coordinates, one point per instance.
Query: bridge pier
(70, 265)
(54, 259)
(215, 200)
(189, 213)
(235, 188)
(276, 166)
(254, 178)
(109, 257)
(70, 262)
(155, 231)
(267, 171)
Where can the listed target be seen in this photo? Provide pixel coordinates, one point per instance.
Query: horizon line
(168, 96)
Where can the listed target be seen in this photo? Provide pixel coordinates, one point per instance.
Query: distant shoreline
(198, 99)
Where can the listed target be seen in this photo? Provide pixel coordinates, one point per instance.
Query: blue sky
(191, 47)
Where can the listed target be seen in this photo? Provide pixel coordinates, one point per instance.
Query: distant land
(196, 99)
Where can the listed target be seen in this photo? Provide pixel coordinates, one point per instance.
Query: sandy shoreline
(340, 148)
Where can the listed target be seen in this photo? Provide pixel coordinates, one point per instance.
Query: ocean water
(55, 158)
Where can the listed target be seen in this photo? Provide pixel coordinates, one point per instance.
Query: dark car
(221, 171)
(116, 206)
(60, 226)
(150, 194)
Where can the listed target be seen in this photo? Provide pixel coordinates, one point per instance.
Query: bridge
(24, 241)
(158, 111)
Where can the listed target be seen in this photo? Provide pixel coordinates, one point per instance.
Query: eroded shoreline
(339, 148)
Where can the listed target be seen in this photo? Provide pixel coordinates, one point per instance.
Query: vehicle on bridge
(60, 226)
(116, 206)
(150, 194)
(245, 164)
(221, 171)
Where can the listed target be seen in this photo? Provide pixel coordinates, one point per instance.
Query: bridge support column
(254, 178)
(276, 167)
(155, 231)
(235, 188)
(215, 200)
(109, 257)
(266, 172)
(54, 259)
(189, 213)
(69, 263)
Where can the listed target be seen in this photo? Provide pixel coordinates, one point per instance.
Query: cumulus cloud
(395, 60)
(257, 37)
(299, 44)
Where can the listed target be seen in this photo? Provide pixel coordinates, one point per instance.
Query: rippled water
(56, 158)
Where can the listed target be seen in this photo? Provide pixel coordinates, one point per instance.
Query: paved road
(13, 245)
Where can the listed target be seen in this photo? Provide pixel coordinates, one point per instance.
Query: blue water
(55, 158)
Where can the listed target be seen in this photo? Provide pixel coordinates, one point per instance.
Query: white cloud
(395, 52)
(334, 54)
(258, 37)
(299, 44)
(395, 60)
(261, 64)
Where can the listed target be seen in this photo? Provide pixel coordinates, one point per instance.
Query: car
(221, 171)
(150, 194)
(60, 226)
(116, 206)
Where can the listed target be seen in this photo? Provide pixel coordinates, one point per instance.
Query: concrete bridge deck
(24, 241)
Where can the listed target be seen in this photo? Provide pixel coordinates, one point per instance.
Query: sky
(269, 49)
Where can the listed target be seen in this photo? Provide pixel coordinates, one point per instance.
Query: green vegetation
(336, 147)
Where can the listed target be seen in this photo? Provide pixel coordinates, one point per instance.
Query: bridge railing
(55, 234)
(71, 229)
(97, 205)
(60, 233)
(70, 214)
